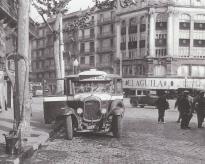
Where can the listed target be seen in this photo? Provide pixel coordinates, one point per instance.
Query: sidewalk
(39, 133)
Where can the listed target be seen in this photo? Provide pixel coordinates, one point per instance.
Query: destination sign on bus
(94, 78)
(163, 83)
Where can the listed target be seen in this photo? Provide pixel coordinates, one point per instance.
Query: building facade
(162, 39)
(92, 46)
(152, 39)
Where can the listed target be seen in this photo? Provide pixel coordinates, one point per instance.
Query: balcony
(106, 21)
(104, 35)
(106, 49)
(104, 65)
(86, 37)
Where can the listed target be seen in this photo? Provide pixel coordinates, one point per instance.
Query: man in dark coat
(200, 108)
(184, 106)
(162, 104)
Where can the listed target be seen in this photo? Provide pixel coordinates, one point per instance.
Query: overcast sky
(74, 5)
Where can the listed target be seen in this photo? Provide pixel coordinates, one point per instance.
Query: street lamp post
(75, 66)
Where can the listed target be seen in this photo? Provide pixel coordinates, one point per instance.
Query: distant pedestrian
(200, 108)
(162, 104)
(185, 107)
(176, 106)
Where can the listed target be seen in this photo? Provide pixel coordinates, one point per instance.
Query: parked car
(92, 101)
(143, 100)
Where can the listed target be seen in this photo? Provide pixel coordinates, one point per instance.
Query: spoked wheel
(117, 126)
(69, 128)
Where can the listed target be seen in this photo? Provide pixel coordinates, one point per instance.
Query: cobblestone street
(144, 141)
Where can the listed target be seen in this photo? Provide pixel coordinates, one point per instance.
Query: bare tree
(57, 8)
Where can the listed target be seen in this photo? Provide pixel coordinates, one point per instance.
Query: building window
(92, 32)
(82, 47)
(139, 69)
(123, 30)
(111, 43)
(101, 30)
(198, 71)
(184, 25)
(183, 70)
(199, 26)
(199, 43)
(101, 17)
(160, 42)
(184, 42)
(112, 14)
(132, 44)
(112, 28)
(92, 47)
(159, 70)
(142, 27)
(142, 43)
(161, 25)
(122, 46)
(82, 60)
(133, 29)
(91, 60)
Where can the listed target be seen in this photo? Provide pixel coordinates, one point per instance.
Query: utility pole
(22, 85)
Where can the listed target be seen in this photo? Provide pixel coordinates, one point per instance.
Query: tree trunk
(58, 52)
(23, 67)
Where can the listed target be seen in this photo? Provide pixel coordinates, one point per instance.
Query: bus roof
(93, 75)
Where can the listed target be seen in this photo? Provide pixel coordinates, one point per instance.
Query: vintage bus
(92, 101)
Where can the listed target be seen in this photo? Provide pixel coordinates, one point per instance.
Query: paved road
(144, 141)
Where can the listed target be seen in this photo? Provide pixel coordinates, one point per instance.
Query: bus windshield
(96, 87)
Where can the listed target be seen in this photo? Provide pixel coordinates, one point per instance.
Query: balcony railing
(85, 37)
(104, 65)
(106, 49)
(106, 34)
(106, 20)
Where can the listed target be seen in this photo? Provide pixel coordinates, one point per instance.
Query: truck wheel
(69, 128)
(117, 126)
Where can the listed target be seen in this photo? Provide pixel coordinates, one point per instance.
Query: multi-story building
(93, 45)
(43, 64)
(149, 43)
(162, 44)
(8, 37)
(106, 40)
(86, 44)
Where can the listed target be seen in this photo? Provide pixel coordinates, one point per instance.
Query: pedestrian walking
(162, 104)
(200, 108)
(184, 106)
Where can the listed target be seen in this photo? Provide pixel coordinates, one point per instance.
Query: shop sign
(163, 83)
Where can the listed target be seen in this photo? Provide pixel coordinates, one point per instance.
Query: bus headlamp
(79, 110)
(103, 110)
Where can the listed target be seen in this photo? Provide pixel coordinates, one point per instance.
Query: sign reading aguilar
(163, 83)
